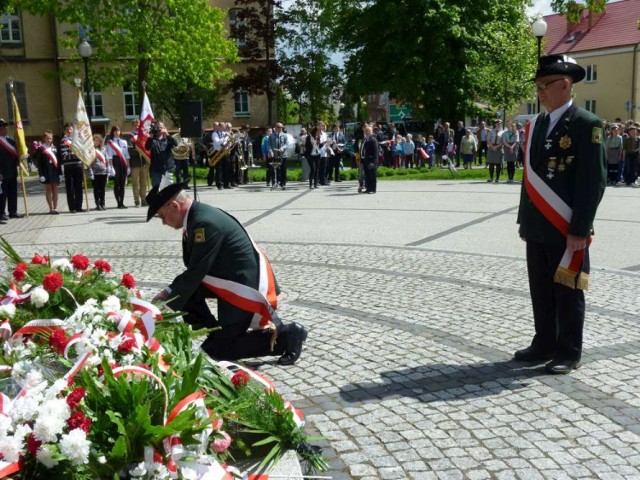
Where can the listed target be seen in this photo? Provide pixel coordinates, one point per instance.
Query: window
(237, 27)
(21, 97)
(95, 107)
(592, 73)
(590, 105)
(531, 108)
(10, 31)
(131, 107)
(241, 104)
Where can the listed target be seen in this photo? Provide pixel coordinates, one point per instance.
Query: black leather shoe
(296, 336)
(15, 215)
(562, 367)
(531, 354)
(4, 218)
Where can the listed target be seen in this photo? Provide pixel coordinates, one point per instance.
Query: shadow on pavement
(439, 382)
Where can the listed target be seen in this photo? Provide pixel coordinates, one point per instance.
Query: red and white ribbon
(101, 157)
(118, 151)
(14, 295)
(4, 143)
(52, 156)
(40, 326)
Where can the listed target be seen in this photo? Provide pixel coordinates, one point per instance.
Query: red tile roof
(616, 27)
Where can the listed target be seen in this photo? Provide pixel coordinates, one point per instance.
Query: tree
(450, 54)
(571, 9)
(307, 72)
(176, 46)
(257, 27)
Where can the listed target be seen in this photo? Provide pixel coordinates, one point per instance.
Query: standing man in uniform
(277, 151)
(565, 178)
(72, 171)
(223, 262)
(8, 175)
(369, 157)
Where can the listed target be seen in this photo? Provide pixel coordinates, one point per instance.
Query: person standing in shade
(337, 142)
(139, 168)
(8, 175)
(99, 171)
(118, 152)
(511, 147)
(369, 155)
(72, 171)
(494, 151)
(565, 178)
(160, 144)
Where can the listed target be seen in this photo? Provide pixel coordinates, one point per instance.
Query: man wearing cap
(8, 175)
(223, 262)
(565, 177)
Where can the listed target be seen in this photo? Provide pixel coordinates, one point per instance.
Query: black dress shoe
(531, 354)
(296, 336)
(3, 217)
(15, 215)
(562, 367)
(2, 222)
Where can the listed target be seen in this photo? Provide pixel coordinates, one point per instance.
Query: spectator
(631, 154)
(267, 156)
(160, 144)
(408, 149)
(72, 171)
(312, 152)
(118, 152)
(468, 147)
(494, 151)
(457, 139)
(431, 149)
(397, 152)
(139, 168)
(614, 146)
(482, 141)
(510, 143)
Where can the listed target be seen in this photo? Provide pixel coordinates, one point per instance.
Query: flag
(146, 119)
(82, 139)
(21, 144)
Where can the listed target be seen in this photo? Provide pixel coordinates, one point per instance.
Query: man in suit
(8, 175)
(278, 151)
(565, 177)
(72, 171)
(223, 262)
(369, 157)
(337, 142)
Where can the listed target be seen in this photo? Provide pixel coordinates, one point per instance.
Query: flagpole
(17, 118)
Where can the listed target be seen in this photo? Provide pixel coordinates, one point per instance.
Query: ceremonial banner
(146, 119)
(82, 139)
(21, 144)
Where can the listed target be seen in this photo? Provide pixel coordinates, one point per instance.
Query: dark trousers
(631, 168)
(282, 172)
(182, 171)
(370, 177)
(227, 172)
(313, 169)
(458, 152)
(232, 341)
(482, 149)
(558, 311)
(334, 170)
(511, 169)
(73, 186)
(119, 181)
(99, 184)
(9, 195)
(498, 169)
(271, 174)
(322, 170)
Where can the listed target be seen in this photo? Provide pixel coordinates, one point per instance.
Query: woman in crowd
(118, 152)
(49, 169)
(468, 147)
(99, 171)
(511, 147)
(312, 152)
(494, 151)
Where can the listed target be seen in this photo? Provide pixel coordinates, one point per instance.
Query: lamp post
(342, 115)
(85, 51)
(539, 29)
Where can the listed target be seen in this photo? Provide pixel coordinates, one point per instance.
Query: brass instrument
(181, 152)
(215, 157)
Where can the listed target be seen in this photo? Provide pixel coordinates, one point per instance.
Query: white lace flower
(7, 311)
(111, 303)
(75, 446)
(39, 296)
(62, 264)
(45, 457)
(102, 459)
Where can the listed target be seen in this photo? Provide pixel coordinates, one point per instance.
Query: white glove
(60, 178)
(128, 171)
(42, 179)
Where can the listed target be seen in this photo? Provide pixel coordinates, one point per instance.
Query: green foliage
(176, 46)
(572, 9)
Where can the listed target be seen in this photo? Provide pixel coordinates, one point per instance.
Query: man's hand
(161, 296)
(575, 243)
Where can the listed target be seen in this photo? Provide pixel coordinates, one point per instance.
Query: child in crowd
(420, 151)
(397, 152)
(408, 148)
(431, 151)
(99, 171)
(450, 149)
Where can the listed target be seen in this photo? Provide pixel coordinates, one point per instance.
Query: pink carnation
(221, 444)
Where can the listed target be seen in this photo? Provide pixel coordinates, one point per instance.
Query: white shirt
(556, 114)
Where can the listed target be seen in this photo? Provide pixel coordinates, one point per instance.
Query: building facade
(31, 52)
(606, 45)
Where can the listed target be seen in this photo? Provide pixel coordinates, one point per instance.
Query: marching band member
(118, 152)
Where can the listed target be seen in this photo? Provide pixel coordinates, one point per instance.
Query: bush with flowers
(97, 383)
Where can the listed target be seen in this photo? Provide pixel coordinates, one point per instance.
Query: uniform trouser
(282, 172)
(631, 168)
(511, 169)
(558, 311)
(271, 174)
(232, 341)
(322, 170)
(227, 171)
(482, 149)
(370, 177)
(182, 171)
(99, 184)
(9, 195)
(73, 186)
(334, 167)
(120, 181)
(139, 182)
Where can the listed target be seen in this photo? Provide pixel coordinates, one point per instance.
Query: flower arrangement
(97, 383)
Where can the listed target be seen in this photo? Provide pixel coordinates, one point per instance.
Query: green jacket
(215, 244)
(572, 162)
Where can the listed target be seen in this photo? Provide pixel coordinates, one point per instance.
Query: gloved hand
(128, 171)
(60, 178)
(42, 179)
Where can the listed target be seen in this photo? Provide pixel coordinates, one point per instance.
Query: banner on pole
(21, 144)
(146, 119)
(82, 138)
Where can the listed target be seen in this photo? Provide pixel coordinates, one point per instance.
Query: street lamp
(539, 29)
(342, 114)
(85, 51)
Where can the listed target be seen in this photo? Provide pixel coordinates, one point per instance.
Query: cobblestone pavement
(416, 298)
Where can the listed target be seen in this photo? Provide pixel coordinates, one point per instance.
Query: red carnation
(80, 262)
(79, 420)
(240, 378)
(33, 445)
(128, 343)
(37, 259)
(58, 340)
(23, 267)
(128, 281)
(19, 275)
(102, 266)
(75, 397)
(52, 282)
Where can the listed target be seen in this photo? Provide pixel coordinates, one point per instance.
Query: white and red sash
(262, 302)
(51, 156)
(116, 148)
(100, 157)
(558, 213)
(4, 143)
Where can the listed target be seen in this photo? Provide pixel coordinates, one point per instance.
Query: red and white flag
(146, 119)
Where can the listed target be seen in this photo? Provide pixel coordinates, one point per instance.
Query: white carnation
(11, 448)
(111, 303)
(63, 265)
(7, 311)
(47, 429)
(39, 296)
(34, 378)
(45, 457)
(5, 425)
(55, 389)
(75, 446)
(138, 471)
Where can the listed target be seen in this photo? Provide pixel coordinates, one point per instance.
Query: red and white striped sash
(116, 148)
(101, 157)
(51, 156)
(4, 143)
(558, 213)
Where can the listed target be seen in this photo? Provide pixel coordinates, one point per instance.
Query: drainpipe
(56, 56)
(633, 83)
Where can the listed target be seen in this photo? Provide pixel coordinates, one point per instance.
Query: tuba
(215, 157)
(181, 152)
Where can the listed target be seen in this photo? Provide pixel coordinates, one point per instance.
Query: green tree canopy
(177, 46)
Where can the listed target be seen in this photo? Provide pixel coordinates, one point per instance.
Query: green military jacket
(572, 162)
(215, 244)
